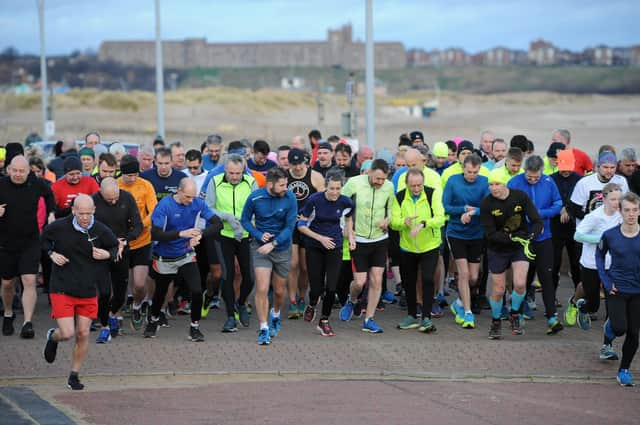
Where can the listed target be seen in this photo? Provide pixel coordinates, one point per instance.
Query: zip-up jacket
(544, 195)
(225, 198)
(372, 206)
(428, 209)
(272, 214)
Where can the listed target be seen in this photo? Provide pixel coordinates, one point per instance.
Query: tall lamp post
(370, 79)
(159, 75)
(43, 70)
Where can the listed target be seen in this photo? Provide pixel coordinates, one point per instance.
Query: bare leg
(375, 288)
(29, 296)
(81, 347)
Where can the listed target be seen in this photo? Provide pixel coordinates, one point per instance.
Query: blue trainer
(114, 326)
(263, 337)
(583, 319)
(346, 312)
(469, 321)
(274, 325)
(458, 312)
(370, 325)
(624, 378)
(104, 336)
(388, 297)
(527, 313)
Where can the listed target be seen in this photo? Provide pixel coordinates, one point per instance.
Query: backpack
(428, 191)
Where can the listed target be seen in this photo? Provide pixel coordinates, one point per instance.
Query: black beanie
(465, 145)
(72, 163)
(13, 149)
(130, 167)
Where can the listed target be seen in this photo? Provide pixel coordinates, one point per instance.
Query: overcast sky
(472, 25)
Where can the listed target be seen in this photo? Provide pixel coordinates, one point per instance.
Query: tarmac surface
(406, 377)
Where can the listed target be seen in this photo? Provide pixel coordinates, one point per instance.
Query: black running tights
(624, 316)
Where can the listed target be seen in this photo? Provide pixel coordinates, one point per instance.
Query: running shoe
(206, 304)
(230, 325)
(50, 347)
(583, 319)
(624, 378)
(458, 312)
(516, 324)
(558, 303)
(163, 322)
(301, 306)
(74, 382)
(184, 307)
(293, 311)
(136, 319)
(309, 313)
(325, 328)
(215, 303)
(114, 326)
(527, 312)
(570, 313)
(442, 301)
(27, 331)
(495, 332)
(409, 322)
(243, 315)
(388, 297)
(553, 325)
(145, 310)
(7, 325)
(608, 353)
(195, 335)
(370, 325)
(274, 325)
(398, 288)
(469, 321)
(531, 302)
(426, 326)
(151, 329)
(346, 312)
(436, 310)
(263, 337)
(104, 336)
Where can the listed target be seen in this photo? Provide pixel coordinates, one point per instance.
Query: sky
(437, 24)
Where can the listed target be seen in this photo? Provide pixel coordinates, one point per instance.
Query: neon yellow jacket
(431, 213)
(372, 205)
(456, 168)
(431, 179)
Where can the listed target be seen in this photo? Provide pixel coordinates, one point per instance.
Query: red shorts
(67, 306)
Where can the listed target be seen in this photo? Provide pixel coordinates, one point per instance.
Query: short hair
(344, 148)
(234, 158)
(262, 147)
(176, 144)
(148, 149)
(404, 140)
(283, 148)
(628, 154)
(92, 133)
(630, 197)
(315, 134)
(235, 145)
(380, 164)
(533, 163)
(413, 172)
(193, 155)
(163, 152)
(498, 140)
(214, 139)
(515, 154)
(334, 175)
(203, 146)
(611, 187)
(333, 138)
(159, 140)
(117, 147)
(451, 145)
(473, 159)
(564, 133)
(109, 158)
(530, 146)
(126, 160)
(275, 174)
(519, 141)
(37, 161)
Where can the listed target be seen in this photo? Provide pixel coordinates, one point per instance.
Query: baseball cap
(296, 156)
(566, 161)
(416, 135)
(325, 145)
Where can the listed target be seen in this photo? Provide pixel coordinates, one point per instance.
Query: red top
(65, 192)
(583, 162)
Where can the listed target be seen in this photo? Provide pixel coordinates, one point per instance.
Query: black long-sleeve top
(19, 224)
(503, 218)
(123, 218)
(80, 276)
(565, 187)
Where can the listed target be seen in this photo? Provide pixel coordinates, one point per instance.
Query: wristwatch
(275, 243)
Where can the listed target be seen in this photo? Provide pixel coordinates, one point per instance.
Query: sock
(263, 325)
(137, 306)
(516, 300)
(9, 316)
(195, 324)
(458, 302)
(496, 308)
(274, 314)
(467, 312)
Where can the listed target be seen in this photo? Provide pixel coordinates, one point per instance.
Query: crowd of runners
(297, 231)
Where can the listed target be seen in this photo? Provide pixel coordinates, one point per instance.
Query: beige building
(338, 50)
(542, 52)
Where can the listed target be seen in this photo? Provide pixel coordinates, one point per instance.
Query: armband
(303, 223)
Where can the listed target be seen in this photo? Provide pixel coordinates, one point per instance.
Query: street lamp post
(159, 75)
(370, 79)
(43, 70)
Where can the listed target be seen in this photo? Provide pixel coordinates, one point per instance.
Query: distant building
(454, 56)
(498, 56)
(542, 52)
(339, 50)
(602, 56)
(635, 56)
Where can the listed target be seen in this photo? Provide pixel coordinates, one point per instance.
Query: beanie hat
(465, 145)
(87, 152)
(440, 150)
(72, 163)
(13, 149)
(552, 152)
(607, 157)
(3, 154)
(566, 160)
(498, 175)
(130, 167)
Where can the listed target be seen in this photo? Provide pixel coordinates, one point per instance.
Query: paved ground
(454, 375)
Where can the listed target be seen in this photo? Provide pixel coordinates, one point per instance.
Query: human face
(324, 157)
(626, 167)
(486, 142)
(342, 159)
(364, 154)
(283, 159)
(185, 196)
(557, 137)
(73, 176)
(399, 163)
(553, 162)
(19, 171)
(606, 171)
(234, 172)
(83, 212)
(214, 151)
(37, 171)
(146, 161)
(333, 190)
(129, 179)
(415, 184)
(163, 165)
(259, 158)
(92, 140)
(278, 189)
(441, 161)
(630, 212)
(465, 153)
(533, 177)
(298, 170)
(177, 157)
(452, 156)
(194, 167)
(565, 174)
(470, 172)
(87, 163)
(499, 151)
(497, 190)
(105, 170)
(110, 196)
(513, 166)
(377, 178)
(415, 161)
(612, 201)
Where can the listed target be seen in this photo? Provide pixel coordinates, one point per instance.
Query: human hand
(265, 249)
(58, 259)
(266, 237)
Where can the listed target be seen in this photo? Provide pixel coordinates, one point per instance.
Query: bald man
(23, 199)
(79, 247)
(118, 210)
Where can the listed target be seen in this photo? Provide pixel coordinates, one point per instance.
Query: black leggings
(573, 252)
(409, 264)
(187, 275)
(232, 249)
(591, 286)
(344, 281)
(543, 266)
(324, 269)
(624, 316)
(118, 280)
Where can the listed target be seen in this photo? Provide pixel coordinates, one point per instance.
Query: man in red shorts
(80, 248)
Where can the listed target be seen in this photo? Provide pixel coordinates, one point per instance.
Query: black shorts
(500, 261)
(463, 249)
(140, 257)
(296, 237)
(370, 254)
(24, 260)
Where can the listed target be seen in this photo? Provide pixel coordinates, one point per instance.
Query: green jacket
(372, 205)
(225, 198)
(429, 209)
